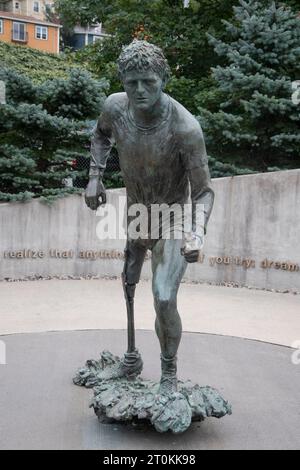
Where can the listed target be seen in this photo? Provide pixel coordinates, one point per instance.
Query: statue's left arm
(199, 177)
(202, 195)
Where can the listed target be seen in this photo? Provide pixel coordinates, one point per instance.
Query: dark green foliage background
(43, 130)
(236, 79)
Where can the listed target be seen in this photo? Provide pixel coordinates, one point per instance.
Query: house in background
(83, 36)
(24, 22)
(37, 9)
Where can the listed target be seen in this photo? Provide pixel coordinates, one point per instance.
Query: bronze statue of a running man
(163, 160)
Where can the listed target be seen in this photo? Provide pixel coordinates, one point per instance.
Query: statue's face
(143, 88)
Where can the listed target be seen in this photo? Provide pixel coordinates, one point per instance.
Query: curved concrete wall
(253, 236)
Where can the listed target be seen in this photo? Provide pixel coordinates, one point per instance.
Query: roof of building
(27, 19)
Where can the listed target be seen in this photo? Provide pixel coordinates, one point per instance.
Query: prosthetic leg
(131, 364)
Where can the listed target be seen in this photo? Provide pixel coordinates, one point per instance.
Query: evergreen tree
(250, 118)
(43, 130)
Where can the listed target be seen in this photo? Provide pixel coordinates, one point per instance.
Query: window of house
(41, 32)
(36, 7)
(1, 26)
(19, 31)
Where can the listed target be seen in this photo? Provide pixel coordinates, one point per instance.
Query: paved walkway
(56, 305)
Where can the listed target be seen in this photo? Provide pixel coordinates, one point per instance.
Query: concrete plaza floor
(40, 408)
(58, 305)
(41, 326)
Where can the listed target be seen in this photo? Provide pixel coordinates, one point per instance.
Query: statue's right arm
(101, 144)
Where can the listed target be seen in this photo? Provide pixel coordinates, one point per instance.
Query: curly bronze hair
(142, 55)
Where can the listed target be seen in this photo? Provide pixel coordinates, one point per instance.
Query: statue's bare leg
(168, 267)
(131, 364)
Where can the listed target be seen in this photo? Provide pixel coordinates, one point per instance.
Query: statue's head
(144, 71)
